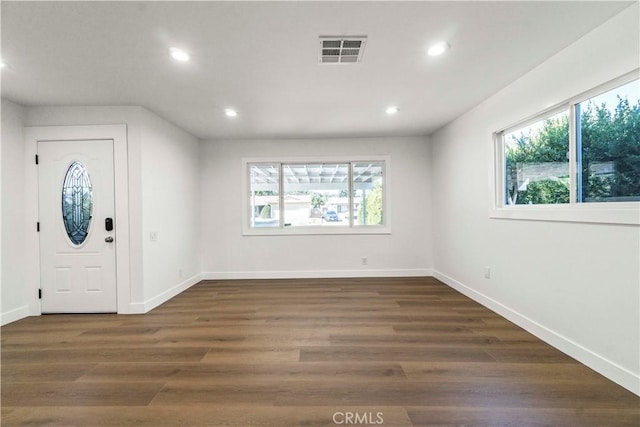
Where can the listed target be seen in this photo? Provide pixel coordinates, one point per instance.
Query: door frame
(117, 133)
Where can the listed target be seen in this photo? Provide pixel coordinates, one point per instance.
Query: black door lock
(108, 224)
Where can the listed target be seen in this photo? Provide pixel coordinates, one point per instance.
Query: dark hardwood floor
(390, 352)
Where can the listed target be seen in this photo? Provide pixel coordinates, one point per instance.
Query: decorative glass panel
(77, 203)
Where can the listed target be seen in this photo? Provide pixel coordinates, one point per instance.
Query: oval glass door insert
(77, 203)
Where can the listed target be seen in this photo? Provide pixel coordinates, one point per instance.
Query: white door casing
(127, 296)
(77, 264)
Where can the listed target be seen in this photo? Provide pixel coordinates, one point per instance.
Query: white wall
(170, 208)
(15, 303)
(576, 285)
(226, 253)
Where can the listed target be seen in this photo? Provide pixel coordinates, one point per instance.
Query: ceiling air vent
(341, 49)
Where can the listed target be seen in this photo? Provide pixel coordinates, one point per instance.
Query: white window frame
(247, 230)
(592, 212)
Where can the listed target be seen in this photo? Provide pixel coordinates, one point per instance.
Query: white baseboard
(609, 369)
(315, 274)
(150, 304)
(15, 314)
(135, 308)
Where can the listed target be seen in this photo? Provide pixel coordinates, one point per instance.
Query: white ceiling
(262, 59)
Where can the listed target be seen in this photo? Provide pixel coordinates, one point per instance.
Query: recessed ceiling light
(438, 49)
(179, 54)
(229, 112)
(392, 110)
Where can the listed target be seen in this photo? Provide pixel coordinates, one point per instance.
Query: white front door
(77, 226)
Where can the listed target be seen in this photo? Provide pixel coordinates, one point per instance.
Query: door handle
(108, 239)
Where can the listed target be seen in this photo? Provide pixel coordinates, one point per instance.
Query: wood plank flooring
(392, 352)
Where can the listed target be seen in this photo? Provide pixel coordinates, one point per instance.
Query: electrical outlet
(153, 236)
(364, 260)
(180, 273)
(487, 272)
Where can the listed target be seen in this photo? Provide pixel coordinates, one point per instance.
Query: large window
(586, 151)
(340, 196)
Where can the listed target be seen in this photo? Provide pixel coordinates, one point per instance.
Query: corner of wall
(169, 208)
(13, 298)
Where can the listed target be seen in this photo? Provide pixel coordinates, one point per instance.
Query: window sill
(315, 231)
(595, 213)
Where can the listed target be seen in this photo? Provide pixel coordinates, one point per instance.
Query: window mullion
(350, 190)
(578, 145)
(281, 195)
(500, 199)
(573, 164)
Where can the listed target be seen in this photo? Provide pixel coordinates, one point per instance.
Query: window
(608, 146)
(537, 162)
(367, 193)
(580, 154)
(316, 197)
(265, 195)
(314, 192)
